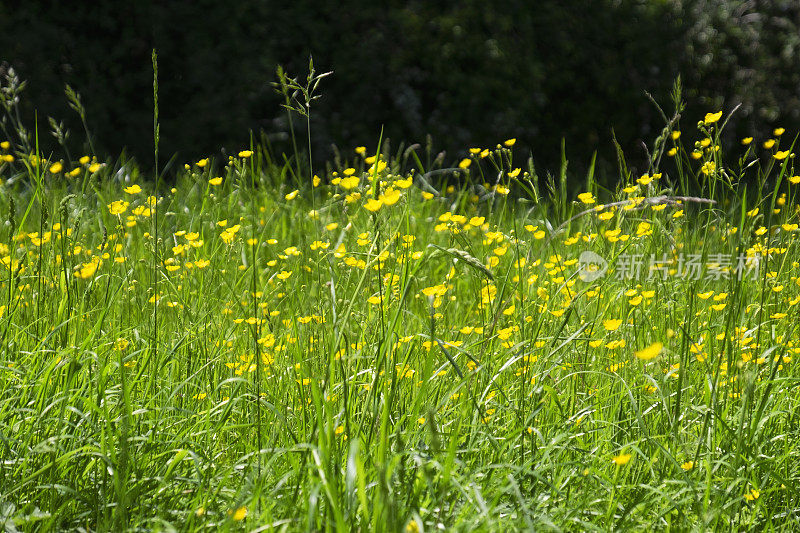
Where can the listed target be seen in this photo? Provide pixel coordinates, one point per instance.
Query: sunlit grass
(378, 348)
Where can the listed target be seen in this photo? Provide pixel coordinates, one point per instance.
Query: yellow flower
(118, 207)
(361, 150)
(215, 181)
(405, 183)
(621, 459)
(777, 132)
(133, 189)
(612, 324)
(390, 196)
(436, 290)
(586, 198)
(202, 162)
(650, 352)
(780, 156)
(711, 118)
(87, 270)
(245, 154)
(239, 514)
(465, 163)
(769, 144)
(292, 195)
(350, 182)
(688, 465)
(373, 205)
(55, 168)
(747, 140)
(794, 180)
(708, 168)
(229, 234)
(752, 495)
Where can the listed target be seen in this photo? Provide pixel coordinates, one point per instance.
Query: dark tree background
(471, 73)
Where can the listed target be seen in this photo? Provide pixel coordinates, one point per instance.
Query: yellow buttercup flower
(752, 495)
(118, 207)
(373, 205)
(621, 459)
(650, 352)
(350, 182)
(390, 196)
(239, 514)
(712, 118)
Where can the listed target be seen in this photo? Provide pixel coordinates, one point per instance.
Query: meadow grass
(397, 345)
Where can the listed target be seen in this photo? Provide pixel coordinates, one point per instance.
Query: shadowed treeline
(469, 75)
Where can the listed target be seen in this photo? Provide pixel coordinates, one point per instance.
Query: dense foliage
(467, 74)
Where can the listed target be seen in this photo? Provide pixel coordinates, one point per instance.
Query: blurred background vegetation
(471, 73)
